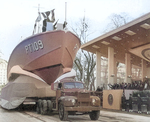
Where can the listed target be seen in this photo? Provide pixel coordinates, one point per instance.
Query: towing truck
(71, 98)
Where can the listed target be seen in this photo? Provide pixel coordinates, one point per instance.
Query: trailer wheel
(49, 106)
(44, 107)
(94, 115)
(38, 107)
(63, 115)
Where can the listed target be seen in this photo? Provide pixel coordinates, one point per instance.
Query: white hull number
(35, 46)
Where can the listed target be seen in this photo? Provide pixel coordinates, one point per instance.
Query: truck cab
(72, 98)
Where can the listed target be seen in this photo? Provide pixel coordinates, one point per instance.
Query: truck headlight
(73, 101)
(93, 101)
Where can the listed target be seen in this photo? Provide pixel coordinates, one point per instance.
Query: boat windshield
(71, 85)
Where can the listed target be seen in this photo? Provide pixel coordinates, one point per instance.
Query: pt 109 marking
(35, 46)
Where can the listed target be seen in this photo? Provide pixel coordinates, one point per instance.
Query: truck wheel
(49, 106)
(44, 107)
(38, 107)
(63, 115)
(94, 115)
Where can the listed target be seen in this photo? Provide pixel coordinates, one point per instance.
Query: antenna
(38, 8)
(65, 23)
(65, 11)
(39, 14)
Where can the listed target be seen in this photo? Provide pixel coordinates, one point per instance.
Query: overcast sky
(17, 17)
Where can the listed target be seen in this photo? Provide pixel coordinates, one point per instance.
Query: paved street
(105, 116)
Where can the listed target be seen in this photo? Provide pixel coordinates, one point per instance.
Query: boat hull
(47, 55)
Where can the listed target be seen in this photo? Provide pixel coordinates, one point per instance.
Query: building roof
(133, 38)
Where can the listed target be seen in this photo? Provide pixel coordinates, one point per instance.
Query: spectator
(98, 89)
(130, 102)
(139, 101)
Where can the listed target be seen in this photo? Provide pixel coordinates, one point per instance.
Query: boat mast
(38, 22)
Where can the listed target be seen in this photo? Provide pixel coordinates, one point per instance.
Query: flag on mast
(47, 14)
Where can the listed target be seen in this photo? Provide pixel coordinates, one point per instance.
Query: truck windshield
(71, 85)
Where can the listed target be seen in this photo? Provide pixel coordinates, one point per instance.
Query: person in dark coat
(139, 102)
(98, 89)
(148, 101)
(123, 102)
(130, 102)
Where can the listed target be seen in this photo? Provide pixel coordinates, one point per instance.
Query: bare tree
(117, 20)
(0, 53)
(84, 63)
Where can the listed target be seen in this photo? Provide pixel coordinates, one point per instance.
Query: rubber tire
(38, 107)
(49, 106)
(44, 107)
(94, 115)
(63, 115)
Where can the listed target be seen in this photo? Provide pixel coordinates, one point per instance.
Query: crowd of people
(138, 101)
(138, 98)
(136, 85)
